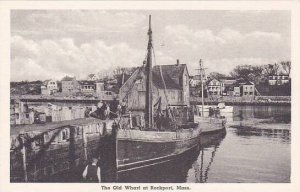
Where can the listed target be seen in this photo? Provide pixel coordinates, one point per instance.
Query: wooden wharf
(41, 151)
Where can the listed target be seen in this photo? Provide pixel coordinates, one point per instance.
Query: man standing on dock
(92, 172)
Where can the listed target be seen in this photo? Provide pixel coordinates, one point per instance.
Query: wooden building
(170, 83)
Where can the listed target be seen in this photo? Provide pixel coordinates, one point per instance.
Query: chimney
(177, 62)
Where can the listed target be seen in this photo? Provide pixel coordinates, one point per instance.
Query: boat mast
(202, 89)
(148, 106)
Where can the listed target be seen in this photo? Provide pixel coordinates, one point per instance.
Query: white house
(215, 87)
(87, 86)
(278, 79)
(49, 87)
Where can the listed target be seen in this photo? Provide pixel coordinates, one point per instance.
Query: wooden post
(84, 141)
(23, 152)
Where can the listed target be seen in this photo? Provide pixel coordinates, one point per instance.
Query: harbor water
(254, 149)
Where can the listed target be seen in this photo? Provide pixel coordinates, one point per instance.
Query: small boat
(223, 108)
(141, 142)
(211, 124)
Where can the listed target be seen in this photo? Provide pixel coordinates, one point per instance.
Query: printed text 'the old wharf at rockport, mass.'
(145, 187)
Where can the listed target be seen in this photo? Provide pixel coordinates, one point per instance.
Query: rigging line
(133, 82)
(138, 73)
(160, 70)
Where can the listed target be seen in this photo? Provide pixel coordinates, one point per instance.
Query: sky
(49, 44)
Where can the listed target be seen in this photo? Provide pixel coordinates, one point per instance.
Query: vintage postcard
(149, 96)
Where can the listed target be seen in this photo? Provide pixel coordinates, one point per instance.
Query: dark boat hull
(176, 169)
(134, 152)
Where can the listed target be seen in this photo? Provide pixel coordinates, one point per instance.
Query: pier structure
(41, 151)
(257, 100)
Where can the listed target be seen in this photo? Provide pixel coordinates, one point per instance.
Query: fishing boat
(141, 141)
(213, 121)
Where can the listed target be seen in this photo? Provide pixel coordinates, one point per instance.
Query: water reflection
(201, 169)
(280, 114)
(283, 134)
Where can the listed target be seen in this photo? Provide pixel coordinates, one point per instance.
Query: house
(215, 87)
(247, 89)
(99, 87)
(69, 85)
(228, 82)
(278, 79)
(87, 86)
(92, 77)
(49, 87)
(241, 88)
(104, 93)
(195, 81)
(170, 83)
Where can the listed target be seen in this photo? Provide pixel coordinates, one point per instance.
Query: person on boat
(92, 172)
(123, 106)
(158, 118)
(87, 112)
(114, 109)
(175, 112)
(119, 110)
(210, 111)
(100, 104)
(217, 112)
(107, 112)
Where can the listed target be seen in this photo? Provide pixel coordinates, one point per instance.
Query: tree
(271, 69)
(216, 75)
(286, 66)
(241, 71)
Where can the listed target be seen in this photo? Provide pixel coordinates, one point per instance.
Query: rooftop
(170, 73)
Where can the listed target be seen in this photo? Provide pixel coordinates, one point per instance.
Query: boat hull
(210, 124)
(138, 149)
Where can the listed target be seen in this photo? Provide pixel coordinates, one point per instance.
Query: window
(246, 93)
(27, 115)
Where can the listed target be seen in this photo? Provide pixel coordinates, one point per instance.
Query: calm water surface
(246, 153)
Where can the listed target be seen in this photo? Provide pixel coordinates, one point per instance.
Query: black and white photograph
(169, 96)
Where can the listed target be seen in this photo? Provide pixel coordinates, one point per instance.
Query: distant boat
(144, 144)
(223, 108)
